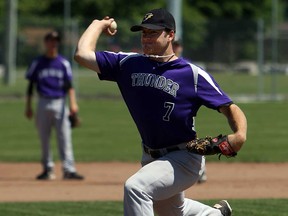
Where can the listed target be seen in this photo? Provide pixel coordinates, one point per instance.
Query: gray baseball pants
(53, 113)
(159, 186)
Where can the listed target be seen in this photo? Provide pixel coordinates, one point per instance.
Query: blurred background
(239, 37)
(242, 43)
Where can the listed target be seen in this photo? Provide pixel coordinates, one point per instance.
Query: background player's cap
(156, 19)
(52, 35)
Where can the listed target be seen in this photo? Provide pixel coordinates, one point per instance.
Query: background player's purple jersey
(162, 98)
(50, 75)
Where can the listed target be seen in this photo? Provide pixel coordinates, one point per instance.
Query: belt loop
(157, 153)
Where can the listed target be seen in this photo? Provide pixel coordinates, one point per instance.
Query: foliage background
(218, 31)
(209, 27)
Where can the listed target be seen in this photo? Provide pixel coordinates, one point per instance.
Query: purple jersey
(163, 98)
(50, 75)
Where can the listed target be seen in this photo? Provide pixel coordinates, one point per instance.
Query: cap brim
(52, 38)
(140, 27)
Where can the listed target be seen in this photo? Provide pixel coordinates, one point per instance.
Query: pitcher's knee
(131, 185)
(133, 189)
(169, 207)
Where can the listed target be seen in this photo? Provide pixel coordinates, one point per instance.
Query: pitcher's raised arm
(87, 44)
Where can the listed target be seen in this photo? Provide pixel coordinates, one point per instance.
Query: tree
(197, 16)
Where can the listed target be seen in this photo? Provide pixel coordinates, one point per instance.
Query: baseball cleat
(46, 175)
(224, 207)
(203, 178)
(72, 176)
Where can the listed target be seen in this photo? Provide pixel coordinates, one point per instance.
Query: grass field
(87, 84)
(107, 125)
(108, 133)
(262, 207)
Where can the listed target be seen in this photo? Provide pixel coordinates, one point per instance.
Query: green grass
(259, 207)
(108, 132)
(88, 84)
(62, 209)
(235, 83)
(266, 139)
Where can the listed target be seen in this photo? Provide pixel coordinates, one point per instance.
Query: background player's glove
(74, 120)
(210, 146)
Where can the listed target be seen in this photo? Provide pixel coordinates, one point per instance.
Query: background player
(177, 48)
(163, 94)
(52, 75)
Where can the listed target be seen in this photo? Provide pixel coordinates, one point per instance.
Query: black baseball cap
(52, 35)
(156, 19)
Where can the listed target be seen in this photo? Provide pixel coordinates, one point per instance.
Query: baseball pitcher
(163, 94)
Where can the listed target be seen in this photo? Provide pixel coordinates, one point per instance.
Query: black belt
(157, 153)
(51, 97)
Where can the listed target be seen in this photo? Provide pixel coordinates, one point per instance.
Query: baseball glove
(74, 120)
(211, 146)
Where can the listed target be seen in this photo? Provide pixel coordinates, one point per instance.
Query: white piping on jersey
(196, 71)
(195, 75)
(32, 68)
(67, 65)
(65, 62)
(129, 54)
(194, 123)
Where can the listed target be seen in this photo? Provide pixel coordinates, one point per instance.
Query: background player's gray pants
(54, 113)
(159, 184)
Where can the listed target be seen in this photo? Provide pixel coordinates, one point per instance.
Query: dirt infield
(104, 181)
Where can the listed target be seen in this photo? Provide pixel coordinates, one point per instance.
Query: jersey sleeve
(210, 92)
(67, 70)
(31, 72)
(109, 65)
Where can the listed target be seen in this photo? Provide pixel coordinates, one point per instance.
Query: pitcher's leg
(157, 180)
(164, 180)
(180, 206)
(170, 207)
(136, 201)
(139, 189)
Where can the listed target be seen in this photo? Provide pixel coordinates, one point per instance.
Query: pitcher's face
(154, 42)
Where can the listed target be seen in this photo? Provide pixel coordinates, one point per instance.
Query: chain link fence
(223, 42)
(224, 46)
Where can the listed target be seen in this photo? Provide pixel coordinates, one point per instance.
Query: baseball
(113, 26)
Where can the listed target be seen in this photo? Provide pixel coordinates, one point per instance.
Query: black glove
(74, 120)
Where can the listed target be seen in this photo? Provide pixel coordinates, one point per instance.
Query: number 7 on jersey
(169, 106)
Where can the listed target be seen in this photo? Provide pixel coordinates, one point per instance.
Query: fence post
(10, 42)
